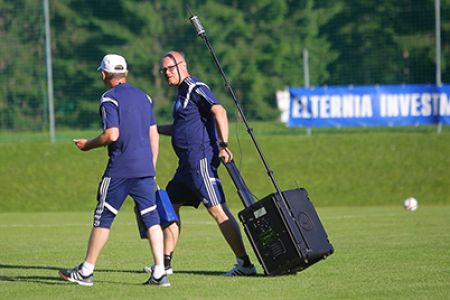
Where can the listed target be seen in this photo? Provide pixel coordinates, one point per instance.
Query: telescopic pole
(202, 33)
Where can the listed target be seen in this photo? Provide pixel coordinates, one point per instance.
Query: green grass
(237, 128)
(339, 167)
(382, 252)
(356, 177)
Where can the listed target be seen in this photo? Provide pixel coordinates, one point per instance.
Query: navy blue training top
(194, 127)
(130, 110)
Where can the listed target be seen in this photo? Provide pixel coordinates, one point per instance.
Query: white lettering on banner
(404, 100)
(444, 105)
(347, 106)
(300, 108)
(406, 105)
(332, 106)
(324, 106)
(306, 113)
(426, 105)
(388, 105)
(366, 107)
(415, 105)
(314, 106)
(335, 106)
(356, 105)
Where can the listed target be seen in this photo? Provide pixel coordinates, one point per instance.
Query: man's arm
(108, 136)
(154, 143)
(165, 129)
(220, 114)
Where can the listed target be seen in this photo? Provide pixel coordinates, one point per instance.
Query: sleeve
(110, 114)
(206, 98)
(152, 113)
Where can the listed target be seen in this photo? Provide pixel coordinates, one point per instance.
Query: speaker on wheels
(285, 232)
(283, 227)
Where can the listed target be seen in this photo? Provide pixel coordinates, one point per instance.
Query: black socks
(246, 260)
(168, 260)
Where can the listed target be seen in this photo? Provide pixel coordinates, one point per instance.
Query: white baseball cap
(113, 63)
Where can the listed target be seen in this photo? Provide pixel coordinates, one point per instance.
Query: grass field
(381, 253)
(339, 167)
(357, 179)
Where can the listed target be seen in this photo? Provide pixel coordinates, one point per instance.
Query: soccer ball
(410, 204)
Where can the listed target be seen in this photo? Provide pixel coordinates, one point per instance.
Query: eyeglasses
(169, 68)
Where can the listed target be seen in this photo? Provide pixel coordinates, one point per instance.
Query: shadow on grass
(2, 266)
(52, 280)
(55, 280)
(35, 279)
(210, 273)
(31, 278)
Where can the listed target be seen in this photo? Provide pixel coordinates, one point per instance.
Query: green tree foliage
(86, 32)
(22, 72)
(445, 36)
(253, 41)
(386, 42)
(260, 45)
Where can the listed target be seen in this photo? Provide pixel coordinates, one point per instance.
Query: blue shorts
(112, 192)
(196, 183)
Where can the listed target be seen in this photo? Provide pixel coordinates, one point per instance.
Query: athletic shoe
(149, 270)
(163, 281)
(75, 275)
(240, 270)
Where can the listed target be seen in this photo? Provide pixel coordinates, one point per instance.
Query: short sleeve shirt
(131, 110)
(194, 128)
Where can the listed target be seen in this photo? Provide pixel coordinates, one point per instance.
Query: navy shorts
(112, 192)
(196, 183)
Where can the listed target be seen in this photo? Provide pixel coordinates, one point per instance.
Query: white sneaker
(75, 275)
(149, 270)
(240, 270)
(162, 281)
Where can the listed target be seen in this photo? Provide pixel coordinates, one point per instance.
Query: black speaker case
(285, 232)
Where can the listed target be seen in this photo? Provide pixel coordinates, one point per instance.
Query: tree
(388, 42)
(22, 65)
(260, 45)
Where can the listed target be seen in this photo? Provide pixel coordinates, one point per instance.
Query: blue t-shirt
(130, 110)
(194, 127)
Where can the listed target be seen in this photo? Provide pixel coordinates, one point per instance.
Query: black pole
(201, 32)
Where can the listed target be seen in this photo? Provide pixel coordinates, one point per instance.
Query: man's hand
(108, 136)
(226, 154)
(81, 144)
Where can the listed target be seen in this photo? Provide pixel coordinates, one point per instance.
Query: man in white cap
(131, 135)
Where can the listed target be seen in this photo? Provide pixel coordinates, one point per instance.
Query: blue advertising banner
(384, 105)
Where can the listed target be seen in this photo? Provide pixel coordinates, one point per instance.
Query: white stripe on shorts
(208, 181)
(111, 209)
(147, 210)
(101, 202)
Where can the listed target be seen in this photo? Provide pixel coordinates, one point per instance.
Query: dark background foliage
(260, 45)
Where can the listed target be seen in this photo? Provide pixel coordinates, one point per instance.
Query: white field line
(184, 222)
(365, 216)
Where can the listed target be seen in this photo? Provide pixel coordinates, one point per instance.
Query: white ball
(410, 204)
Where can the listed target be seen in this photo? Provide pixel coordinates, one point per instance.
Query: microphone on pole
(198, 26)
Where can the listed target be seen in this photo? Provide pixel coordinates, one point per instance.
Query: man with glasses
(200, 138)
